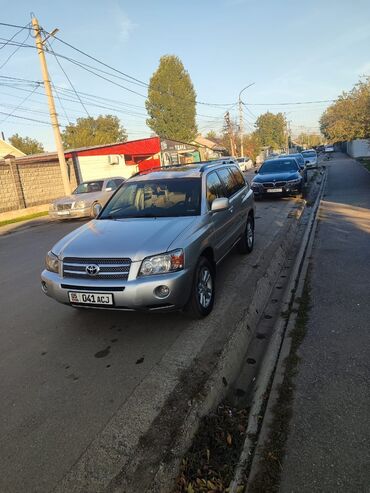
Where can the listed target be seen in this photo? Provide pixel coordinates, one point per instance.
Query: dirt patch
(209, 464)
(267, 479)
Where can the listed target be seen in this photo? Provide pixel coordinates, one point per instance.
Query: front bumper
(70, 213)
(312, 164)
(260, 190)
(130, 295)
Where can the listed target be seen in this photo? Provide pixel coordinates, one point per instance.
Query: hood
(86, 197)
(285, 176)
(134, 238)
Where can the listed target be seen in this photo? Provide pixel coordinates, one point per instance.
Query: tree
(90, 131)
(309, 139)
(271, 130)
(26, 144)
(348, 118)
(252, 145)
(212, 135)
(171, 101)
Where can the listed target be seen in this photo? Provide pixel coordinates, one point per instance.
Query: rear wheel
(202, 295)
(246, 242)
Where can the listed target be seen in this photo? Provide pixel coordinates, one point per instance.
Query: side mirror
(108, 189)
(97, 210)
(220, 204)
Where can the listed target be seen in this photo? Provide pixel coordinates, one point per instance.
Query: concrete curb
(273, 364)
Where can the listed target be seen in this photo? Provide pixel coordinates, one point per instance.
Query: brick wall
(31, 181)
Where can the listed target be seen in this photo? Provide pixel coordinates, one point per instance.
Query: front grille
(277, 184)
(64, 207)
(109, 268)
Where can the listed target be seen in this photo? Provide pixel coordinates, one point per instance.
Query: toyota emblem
(92, 270)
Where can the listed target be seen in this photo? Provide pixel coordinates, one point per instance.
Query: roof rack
(217, 162)
(156, 168)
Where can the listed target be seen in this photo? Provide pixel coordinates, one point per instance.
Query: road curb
(273, 364)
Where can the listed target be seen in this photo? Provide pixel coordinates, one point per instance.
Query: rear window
(309, 153)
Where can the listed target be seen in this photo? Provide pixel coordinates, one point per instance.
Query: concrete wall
(31, 181)
(359, 148)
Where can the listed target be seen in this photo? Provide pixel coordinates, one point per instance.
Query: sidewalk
(328, 449)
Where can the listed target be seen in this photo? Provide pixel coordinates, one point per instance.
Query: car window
(229, 182)
(89, 186)
(119, 181)
(111, 184)
(215, 189)
(239, 178)
(155, 198)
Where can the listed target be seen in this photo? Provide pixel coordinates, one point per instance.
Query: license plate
(63, 213)
(274, 190)
(91, 298)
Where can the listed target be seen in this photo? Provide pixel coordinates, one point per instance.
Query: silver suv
(156, 243)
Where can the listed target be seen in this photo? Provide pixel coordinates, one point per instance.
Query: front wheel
(202, 296)
(246, 242)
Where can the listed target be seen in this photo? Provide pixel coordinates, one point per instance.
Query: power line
(26, 118)
(69, 80)
(297, 102)
(15, 51)
(20, 104)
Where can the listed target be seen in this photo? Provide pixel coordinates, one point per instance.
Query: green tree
(90, 131)
(171, 101)
(26, 144)
(252, 145)
(271, 130)
(212, 135)
(348, 118)
(309, 139)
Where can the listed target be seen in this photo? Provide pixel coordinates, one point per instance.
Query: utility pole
(241, 120)
(52, 110)
(229, 129)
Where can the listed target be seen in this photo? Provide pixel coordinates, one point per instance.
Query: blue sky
(292, 51)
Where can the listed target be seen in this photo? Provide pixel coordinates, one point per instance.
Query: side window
(111, 185)
(215, 189)
(229, 181)
(119, 182)
(239, 178)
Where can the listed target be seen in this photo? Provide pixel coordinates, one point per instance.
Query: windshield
(155, 198)
(299, 158)
(278, 166)
(89, 186)
(309, 153)
(242, 159)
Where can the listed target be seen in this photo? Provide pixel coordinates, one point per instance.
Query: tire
(202, 296)
(246, 242)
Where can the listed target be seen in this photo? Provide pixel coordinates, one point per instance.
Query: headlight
(52, 207)
(160, 264)
(79, 205)
(294, 182)
(52, 262)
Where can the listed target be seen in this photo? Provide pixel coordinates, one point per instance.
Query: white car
(329, 148)
(82, 200)
(310, 158)
(245, 163)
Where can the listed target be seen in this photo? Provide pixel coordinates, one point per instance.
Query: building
(208, 149)
(7, 150)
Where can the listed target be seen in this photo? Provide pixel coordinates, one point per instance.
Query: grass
(267, 479)
(365, 162)
(23, 218)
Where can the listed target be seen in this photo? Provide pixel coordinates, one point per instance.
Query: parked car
(301, 162)
(156, 243)
(329, 148)
(245, 163)
(87, 194)
(281, 176)
(310, 157)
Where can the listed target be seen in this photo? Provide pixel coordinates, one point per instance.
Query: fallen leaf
(229, 439)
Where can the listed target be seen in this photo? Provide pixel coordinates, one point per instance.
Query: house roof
(209, 143)
(7, 150)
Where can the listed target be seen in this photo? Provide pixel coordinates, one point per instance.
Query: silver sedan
(82, 201)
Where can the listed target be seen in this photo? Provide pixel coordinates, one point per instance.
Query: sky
(292, 51)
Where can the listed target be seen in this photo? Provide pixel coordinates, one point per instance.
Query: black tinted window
(215, 188)
(230, 184)
(239, 178)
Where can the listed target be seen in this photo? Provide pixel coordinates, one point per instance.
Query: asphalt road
(328, 449)
(65, 373)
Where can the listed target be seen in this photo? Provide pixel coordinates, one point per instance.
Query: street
(67, 373)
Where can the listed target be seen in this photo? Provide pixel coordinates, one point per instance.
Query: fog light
(162, 291)
(44, 286)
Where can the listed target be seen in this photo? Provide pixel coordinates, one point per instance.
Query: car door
(243, 198)
(221, 221)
